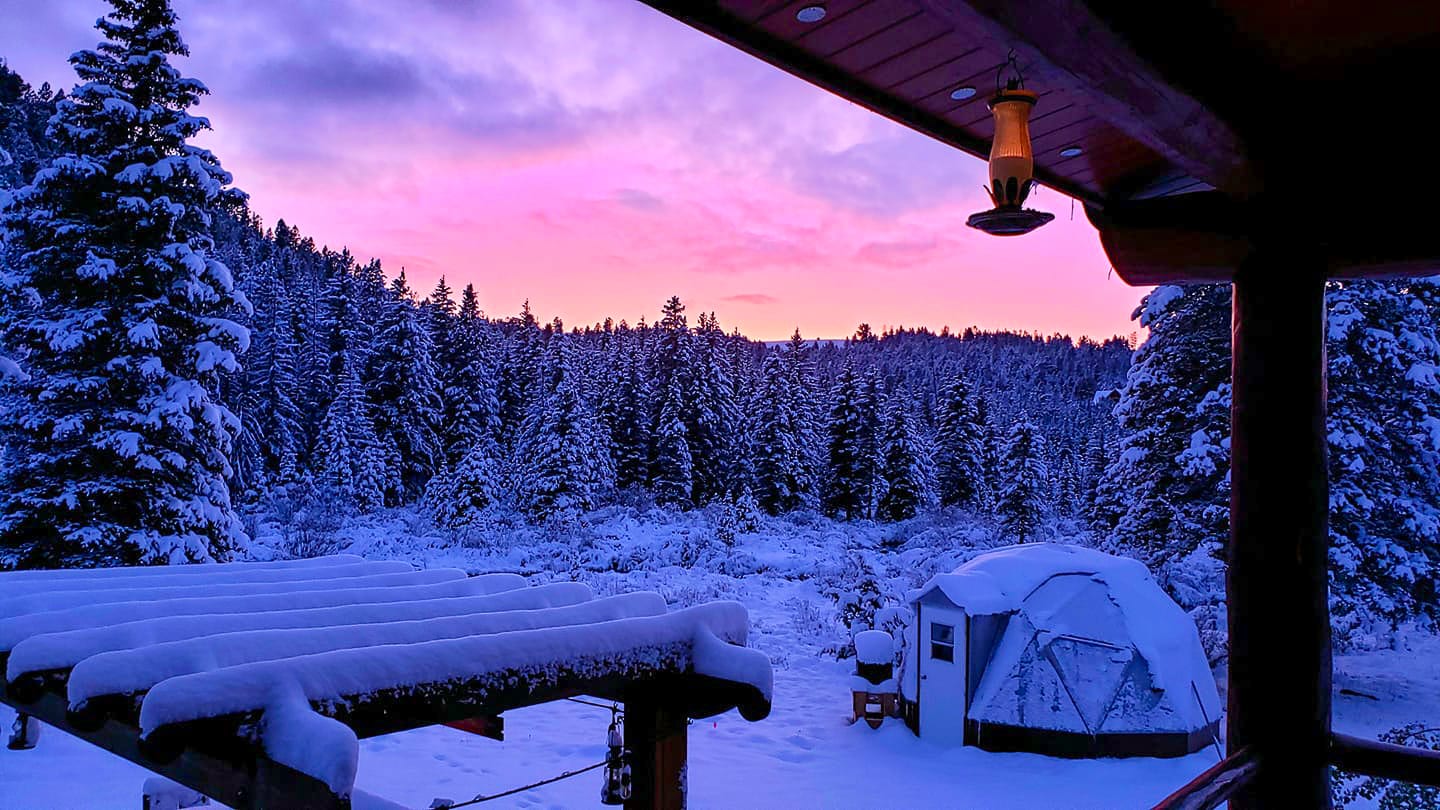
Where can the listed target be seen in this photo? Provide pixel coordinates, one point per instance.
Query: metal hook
(1014, 65)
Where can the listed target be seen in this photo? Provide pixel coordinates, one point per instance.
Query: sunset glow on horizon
(598, 160)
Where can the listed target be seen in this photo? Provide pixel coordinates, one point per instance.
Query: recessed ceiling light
(1071, 151)
(810, 14)
(962, 93)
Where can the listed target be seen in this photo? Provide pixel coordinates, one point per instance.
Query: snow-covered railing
(432, 584)
(255, 684)
(64, 650)
(344, 577)
(138, 670)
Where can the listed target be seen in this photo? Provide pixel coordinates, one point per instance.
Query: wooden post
(655, 735)
(1279, 617)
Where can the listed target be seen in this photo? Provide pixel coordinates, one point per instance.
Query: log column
(655, 735)
(1279, 618)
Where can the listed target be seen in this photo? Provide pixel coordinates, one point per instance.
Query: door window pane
(942, 642)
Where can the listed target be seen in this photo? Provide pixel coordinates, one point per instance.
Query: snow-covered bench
(253, 683)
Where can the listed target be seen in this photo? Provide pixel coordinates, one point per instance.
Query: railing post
(1279, 618)
(655, 736)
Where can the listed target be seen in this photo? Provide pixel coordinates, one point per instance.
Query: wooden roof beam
(710, 17)
(1203, 237)
(1065, 43)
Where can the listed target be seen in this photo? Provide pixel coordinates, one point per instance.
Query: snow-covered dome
(1090, 644)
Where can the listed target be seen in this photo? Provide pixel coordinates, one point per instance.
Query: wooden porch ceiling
(1296, 110)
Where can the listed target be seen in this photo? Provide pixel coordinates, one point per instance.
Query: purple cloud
(758, 299)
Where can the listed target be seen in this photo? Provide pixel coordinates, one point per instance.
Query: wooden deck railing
(1354, 754)
(1213, 787)
(1370, 758)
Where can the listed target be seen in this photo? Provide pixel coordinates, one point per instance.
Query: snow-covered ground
(805, 754)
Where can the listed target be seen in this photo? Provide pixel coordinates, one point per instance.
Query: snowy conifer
(905, 466)
(960, 447)
(1024, 482)
(1166, 494)
(782, 468)
(115, 307)
(674, 467)
(461, 495)
(405, 394)
(351, 466)
(1384, 430)
(629, 437)
(564, 469)
(469, 304)
(712, 417)
(850, 481)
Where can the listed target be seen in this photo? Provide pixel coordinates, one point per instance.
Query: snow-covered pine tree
(352, 468)
(674, 468)
(272, 380)
(1065, 482)
(744, 375)
(405, 394)
(564, 469)
(24, 147)
(629, 439)
(782, 470)
(472, 407)
(1024, 482)
(521, 368)
(713, 417)
(114, 306)
(469, 304)
(905, 465)
(800, 369)
(1165, 495)
(672, 366)
(1384, 429)
(960, 447)
(849, 485)
(460, 496)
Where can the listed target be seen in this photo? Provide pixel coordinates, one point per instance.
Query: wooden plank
(391, 711)
(490, 726)
(1215, 786)
(855, 28)
(1063, 43)
(889, 46)
(248, 781)
(1276, 585)
(720, 23)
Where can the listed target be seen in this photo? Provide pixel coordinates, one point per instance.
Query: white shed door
(942, 675)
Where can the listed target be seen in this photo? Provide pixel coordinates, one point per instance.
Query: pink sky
(597, 161)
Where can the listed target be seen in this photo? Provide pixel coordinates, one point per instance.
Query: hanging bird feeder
(616, 789)
(1012, 162)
